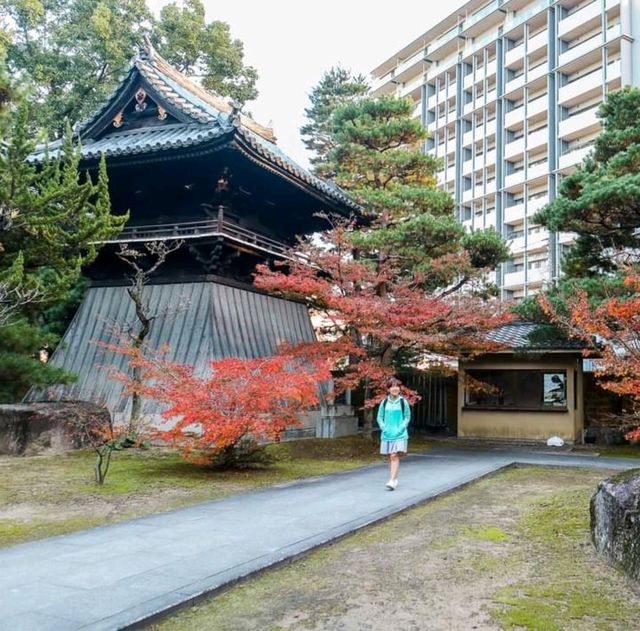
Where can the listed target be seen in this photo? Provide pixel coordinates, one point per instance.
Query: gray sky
(292, 42)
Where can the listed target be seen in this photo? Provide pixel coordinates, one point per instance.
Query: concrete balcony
(411, 66)
(490, 158)
(490, 219)
(514, 55)
(538, 241)
(411, 88)
(432, 101)
(469, 107)
(537, 106)
(588, 85)
(417, 111)
(489, 129)
(467, 138)
(580, 50)
(589, 45)
(468, 81)
(580, 124)
(492, 68)
(478, 191)
(512, 214)
(514, 179)
(538, 139)
(566, 238)
(537, 42)
(514, 117)
(384, 85)
(514, 84)
(514, 148)
(538, 274)
(516, 245)
(467, 167)
(467, 195)
(573, 158)
(580, 21)
(538, 71)
(513, 279)
(538, 170)
(536, 204)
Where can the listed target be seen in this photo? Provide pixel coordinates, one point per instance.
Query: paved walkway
(114, 576)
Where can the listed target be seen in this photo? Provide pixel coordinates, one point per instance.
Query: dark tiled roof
(527, 335)
(206, 119)
(140, 141)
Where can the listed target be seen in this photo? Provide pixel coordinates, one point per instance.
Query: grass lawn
(509, 552)
(41, 496)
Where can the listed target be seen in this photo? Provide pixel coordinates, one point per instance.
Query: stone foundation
(615, 521)
(37, 428)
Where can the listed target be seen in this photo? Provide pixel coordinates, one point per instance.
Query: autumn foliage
(236, 400)
(613, 326)
(372, 330)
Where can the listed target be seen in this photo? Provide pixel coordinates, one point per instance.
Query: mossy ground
(42, 496)
(509, 552)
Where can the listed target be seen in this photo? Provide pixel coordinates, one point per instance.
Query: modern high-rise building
(509, 92)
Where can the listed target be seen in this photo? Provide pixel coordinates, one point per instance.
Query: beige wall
(537, 425)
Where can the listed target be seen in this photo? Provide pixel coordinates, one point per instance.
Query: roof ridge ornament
(235, 113)
(147, 50)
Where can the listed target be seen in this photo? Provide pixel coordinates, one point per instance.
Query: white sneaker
(392, 484)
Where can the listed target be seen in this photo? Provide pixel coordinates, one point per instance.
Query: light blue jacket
(392, 421)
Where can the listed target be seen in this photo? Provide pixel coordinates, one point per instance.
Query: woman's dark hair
(393, 382)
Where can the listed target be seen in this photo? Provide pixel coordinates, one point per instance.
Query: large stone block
(615, 521)
(35, 428)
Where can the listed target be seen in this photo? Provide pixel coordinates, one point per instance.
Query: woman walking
(394, 415)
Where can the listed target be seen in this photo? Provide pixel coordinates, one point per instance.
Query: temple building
(189, 167)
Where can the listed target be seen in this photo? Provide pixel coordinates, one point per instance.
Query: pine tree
(337, 87)
(405, 282)
(51, 218)
(379, 161)
(600, 201)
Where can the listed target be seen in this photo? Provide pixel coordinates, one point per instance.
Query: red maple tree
(613, 326)
(374, 316)
(236, 400)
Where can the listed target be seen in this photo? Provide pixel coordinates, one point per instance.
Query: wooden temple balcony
(188, 230)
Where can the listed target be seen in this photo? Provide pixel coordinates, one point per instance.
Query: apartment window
(466, 213)
(516, 389)
(515, 232)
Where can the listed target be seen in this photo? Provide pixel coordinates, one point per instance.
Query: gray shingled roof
(203, 321)
(206, 120)
(517, 335)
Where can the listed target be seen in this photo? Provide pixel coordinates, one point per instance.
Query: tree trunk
(138, 341)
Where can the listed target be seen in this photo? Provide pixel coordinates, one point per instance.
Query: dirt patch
(479, 559)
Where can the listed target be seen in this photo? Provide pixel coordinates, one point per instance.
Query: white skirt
(393, 446)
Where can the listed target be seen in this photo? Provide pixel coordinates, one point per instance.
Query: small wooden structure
(536, 388)
(189, 166)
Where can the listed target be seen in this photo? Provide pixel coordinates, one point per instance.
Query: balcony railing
(190, 230)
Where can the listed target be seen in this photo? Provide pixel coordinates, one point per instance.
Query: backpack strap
(403, 402)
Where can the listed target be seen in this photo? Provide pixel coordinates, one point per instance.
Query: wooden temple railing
(188, 230)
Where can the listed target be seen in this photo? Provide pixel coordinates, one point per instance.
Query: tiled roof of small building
(522, 336)
(205, 119)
